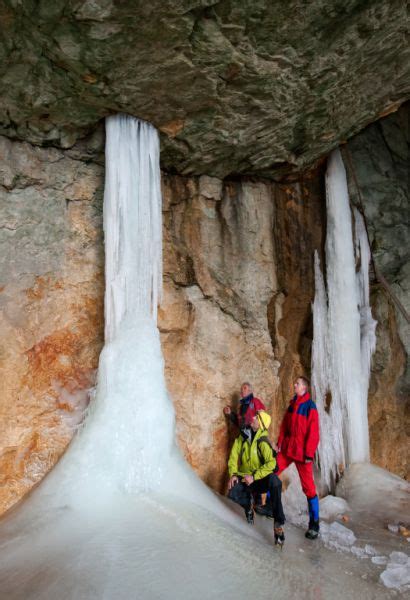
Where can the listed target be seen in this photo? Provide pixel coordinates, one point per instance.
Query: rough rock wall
(381, 159)
(51, 294)
(220, 277)
(300, 229)
(252, 87)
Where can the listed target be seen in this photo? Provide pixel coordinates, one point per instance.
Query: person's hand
(233, 481)
(227, 410)
(248, 479)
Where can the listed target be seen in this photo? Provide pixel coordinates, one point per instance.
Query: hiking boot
(279, 534)
(249, 516)
(264, 510)
(313, 530)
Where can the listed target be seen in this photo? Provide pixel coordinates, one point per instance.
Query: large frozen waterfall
(344, 332)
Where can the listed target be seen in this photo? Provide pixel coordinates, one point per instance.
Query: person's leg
(273, 485)
(307, 481)
(282, 462)
(242, 495)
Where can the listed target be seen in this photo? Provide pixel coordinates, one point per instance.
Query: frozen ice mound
(332, 507)
(397, 572)
(337, 535)
(374, 491)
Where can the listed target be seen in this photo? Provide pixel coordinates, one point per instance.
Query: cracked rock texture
(256, 87)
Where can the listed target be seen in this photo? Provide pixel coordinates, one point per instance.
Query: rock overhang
(258, 88)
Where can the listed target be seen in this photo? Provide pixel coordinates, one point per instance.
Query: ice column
(132, 221)
(331, 448)
(367, 323)
(344, 332)
(127, 439)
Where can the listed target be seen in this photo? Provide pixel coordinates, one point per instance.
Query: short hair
(304, 379)
(248, 384)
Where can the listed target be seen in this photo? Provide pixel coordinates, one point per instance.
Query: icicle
(344, 332)
(331, 448)
(367, 323)
(132, 221)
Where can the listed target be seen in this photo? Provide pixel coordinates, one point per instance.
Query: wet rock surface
(252, 87)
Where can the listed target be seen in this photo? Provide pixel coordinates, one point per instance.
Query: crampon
(279, 536)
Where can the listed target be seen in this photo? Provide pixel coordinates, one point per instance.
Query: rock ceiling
(259, 87)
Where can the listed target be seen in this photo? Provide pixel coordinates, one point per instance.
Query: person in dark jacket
(297, 443)
(248, 407)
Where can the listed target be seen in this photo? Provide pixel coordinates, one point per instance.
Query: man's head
(301, 386)
(246, 389)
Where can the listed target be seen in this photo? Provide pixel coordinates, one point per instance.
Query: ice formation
(132, 222)
(397, 572)
(344, 332)
(126, 442)
(332, 507)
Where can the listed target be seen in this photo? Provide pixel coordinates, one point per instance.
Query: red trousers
(305, 471)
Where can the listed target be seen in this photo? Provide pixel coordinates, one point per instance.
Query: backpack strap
(266, 440)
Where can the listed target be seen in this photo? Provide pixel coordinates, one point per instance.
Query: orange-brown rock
(299, 231)
(51, 300)
(389, 410)
(219, 277)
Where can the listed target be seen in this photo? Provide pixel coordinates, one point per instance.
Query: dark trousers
(242, 494)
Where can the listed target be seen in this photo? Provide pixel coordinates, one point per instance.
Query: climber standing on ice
(298, 441)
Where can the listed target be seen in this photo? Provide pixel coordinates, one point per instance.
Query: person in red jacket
(248, 407)
(297, 442)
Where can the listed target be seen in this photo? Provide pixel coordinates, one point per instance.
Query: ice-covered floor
(153, 548)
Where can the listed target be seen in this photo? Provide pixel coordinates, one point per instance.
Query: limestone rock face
(300, 229)
(219, 278)
(257, 87)
(51, 294)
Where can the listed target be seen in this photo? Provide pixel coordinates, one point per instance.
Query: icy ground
(369, 519)
(139, 547)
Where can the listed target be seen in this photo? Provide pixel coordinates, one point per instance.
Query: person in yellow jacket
(251, 468)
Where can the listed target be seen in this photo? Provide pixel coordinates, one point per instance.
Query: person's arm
(312, 434)
(268, 462)
(233, 462)
(233, 417)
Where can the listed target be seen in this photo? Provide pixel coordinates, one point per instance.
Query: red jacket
(299, 432)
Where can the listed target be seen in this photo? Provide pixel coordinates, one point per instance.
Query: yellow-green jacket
(245, 458)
